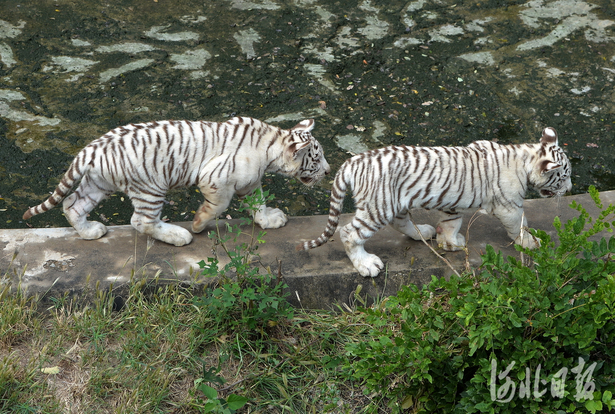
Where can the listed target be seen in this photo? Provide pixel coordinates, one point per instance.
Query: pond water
(371, 73)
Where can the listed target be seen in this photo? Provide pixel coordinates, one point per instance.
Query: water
(371, 73)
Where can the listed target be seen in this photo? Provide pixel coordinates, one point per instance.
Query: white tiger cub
(222, 158)
(388, 182)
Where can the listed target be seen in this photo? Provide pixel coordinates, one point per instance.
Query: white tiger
(223, 159)
(388, 182)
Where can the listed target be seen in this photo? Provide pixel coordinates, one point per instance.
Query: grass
(160, 349)
(72, 357)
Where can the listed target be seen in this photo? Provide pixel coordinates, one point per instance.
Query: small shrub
(509, 339)
(243, 297)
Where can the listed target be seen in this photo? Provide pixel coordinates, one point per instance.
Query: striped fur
(146, 160)
(388, 182)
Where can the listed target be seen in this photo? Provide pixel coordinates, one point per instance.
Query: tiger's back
(388, 182)
(146, 160)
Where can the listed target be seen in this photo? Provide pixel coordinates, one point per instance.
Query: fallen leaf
(51, 370)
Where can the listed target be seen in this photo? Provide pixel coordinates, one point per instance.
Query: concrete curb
(55, 261)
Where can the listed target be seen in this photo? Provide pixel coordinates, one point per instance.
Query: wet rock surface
(372, 73)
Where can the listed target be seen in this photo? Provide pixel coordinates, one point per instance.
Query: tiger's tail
(338, 192)
(72, 175)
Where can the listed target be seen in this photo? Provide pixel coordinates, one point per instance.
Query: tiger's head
(305, 155)
(551, 174)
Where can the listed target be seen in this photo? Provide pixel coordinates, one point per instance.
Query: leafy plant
(242, 255)
(213, 403)
(243, 296)
(510, 338)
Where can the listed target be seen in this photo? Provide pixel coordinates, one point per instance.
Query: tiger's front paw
(271, 218)
(528, 241)
(172, 234)
(201, 218)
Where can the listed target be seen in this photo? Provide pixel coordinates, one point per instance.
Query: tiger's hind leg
(78, 205)
(448, 233)
(404, 225)
(354, 236)
(146, 220)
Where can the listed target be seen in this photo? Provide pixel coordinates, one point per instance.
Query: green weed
(244, 297)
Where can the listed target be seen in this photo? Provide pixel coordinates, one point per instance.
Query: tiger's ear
(549, 166)
(305, 125)
(297, 149)
(549, 136)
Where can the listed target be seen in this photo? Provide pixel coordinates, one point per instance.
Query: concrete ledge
(54, 261)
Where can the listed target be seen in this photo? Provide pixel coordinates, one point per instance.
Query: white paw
(271, 218)
(451, 246)
(525, 239)
(426, 230)
(408, 228)
(172, 234)
(200, 221)
(370, 265)
(92, 230)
